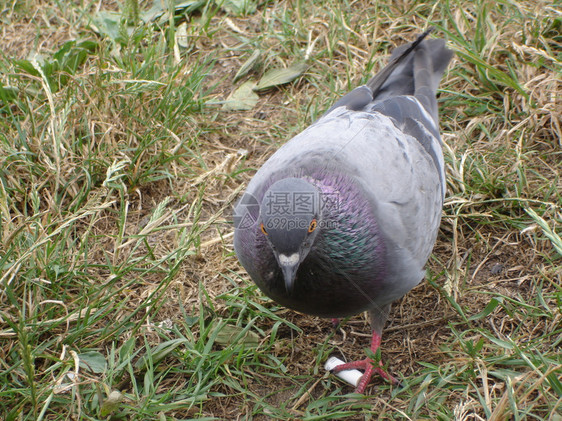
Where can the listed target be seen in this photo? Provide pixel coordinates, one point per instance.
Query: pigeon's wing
(410, 116)
(355, 100)
(408, 98)
(405, 91)
(402, 172)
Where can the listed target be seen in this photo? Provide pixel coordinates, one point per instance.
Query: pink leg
(335, 323)
(368, 365)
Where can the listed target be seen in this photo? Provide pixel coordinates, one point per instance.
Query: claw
(369, 367)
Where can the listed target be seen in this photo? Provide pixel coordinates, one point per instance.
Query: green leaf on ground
(276, 77)
(231, 335)
(238, 7)
(251, 63)
(93, 361)
(243, 98)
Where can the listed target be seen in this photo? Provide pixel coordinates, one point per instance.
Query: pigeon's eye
(263, 229)
(313, 225)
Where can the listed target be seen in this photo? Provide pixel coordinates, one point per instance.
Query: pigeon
(343, 217)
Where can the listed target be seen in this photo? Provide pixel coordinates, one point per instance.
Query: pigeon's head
(290, 220)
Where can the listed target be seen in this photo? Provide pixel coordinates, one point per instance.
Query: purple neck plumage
(350, 234)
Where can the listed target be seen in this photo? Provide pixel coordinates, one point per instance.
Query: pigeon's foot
(335, 323)
(368, 366)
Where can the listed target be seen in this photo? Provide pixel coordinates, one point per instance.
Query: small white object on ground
(349, 376)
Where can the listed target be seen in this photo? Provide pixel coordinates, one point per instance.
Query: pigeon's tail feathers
(418, 74)
(414, 69)
(430, 61)
(362, 96)
(398, 56)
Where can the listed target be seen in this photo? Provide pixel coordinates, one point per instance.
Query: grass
(120, 295)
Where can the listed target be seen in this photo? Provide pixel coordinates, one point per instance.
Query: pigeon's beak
(289, 266)
(289, 273)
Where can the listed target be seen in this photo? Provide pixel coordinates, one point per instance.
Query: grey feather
(378, 149)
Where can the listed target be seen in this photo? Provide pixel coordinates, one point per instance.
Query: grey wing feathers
(410, 117)
(355, 100)
(408, 97)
